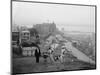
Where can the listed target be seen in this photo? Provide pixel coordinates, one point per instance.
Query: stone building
(45, 29)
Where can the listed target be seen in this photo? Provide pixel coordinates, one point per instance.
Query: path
(80, 55)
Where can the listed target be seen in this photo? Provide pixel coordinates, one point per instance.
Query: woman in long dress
(51, 54)
(37, 55)
(63, 49)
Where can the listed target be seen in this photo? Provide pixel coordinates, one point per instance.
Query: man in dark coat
(37, 55)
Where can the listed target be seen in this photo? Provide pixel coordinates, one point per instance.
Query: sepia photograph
(52, 37)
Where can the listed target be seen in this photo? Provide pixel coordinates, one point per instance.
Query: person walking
(51, 54)
(63, 49)
(37, 54)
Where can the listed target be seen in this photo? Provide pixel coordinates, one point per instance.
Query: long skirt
(37, 59)
(51, 58)
(62, 58)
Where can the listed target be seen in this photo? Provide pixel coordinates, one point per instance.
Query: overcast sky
(69, 17)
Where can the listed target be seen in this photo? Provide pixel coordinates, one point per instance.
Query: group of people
(58, 57)
(51, 56)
